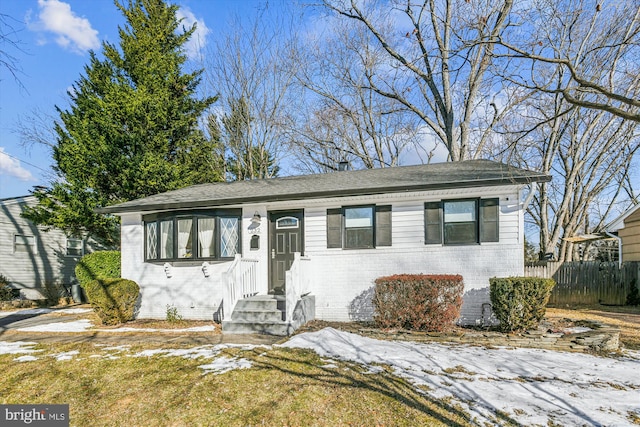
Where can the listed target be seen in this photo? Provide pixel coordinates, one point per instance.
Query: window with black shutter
(461, 222)
(359, 227)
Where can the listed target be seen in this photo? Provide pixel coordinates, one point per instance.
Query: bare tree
(251, 68)
(438, 58)
(339, 118)
(588, 152)
(9, 41)
(581, 38)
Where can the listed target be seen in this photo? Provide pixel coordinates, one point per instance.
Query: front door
(286, 238)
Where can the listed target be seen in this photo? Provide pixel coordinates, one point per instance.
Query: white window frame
(66, 252)
(34, 245)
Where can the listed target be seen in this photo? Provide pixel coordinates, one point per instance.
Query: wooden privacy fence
(588, 282)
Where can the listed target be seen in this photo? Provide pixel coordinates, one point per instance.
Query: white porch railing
(240, 281)
(297, 282)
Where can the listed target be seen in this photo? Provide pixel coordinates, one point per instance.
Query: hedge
(417, 301)
(98, 265)
(519, 303)
(114, 300)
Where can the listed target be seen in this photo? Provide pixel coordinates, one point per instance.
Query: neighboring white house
(196, 248)
(30, 257)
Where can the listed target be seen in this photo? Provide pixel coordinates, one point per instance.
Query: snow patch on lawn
(532, 386)
(67, 355)
(18, 347)
(225, 364)
(74, 326)
(26, 358)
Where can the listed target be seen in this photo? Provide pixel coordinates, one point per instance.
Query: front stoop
(265, 314)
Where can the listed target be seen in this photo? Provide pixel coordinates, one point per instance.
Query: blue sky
(55, 37)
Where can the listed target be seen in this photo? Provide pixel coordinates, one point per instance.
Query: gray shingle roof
(471, 173)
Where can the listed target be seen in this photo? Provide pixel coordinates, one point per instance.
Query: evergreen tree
(132, 126)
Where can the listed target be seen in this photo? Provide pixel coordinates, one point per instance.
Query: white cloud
(70, 31)
(199, 37)
(11, 167)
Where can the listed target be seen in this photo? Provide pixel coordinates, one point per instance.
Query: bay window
(199, 235)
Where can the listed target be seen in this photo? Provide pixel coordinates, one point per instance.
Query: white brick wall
(342, 279)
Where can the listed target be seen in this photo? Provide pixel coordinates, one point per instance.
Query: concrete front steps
(265, 314)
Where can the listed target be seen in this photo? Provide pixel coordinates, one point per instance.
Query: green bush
(98, 265)
(6, 291)
(114, 300)
(519, 303)
(52, 293)
(417, 301)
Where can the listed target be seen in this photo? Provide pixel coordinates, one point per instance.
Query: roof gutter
(321, 194)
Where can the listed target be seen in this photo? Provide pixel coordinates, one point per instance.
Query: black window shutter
(383, 225)
(489, 226)
(334, 228)
(433, 223)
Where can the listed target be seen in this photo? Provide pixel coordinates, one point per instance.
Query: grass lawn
(283, 387)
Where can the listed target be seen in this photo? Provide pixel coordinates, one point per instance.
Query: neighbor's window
(75, 247)
(200, 235)
(359, 227)
(24, 243)
(459, 222)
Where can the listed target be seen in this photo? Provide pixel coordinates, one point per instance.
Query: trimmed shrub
(114, 300)
(519, 303)
(98, 265)
(418, 301)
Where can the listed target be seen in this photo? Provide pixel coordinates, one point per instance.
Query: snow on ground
(72, 326)
(219, 365)
(225, 364)
(533, 386)
(18, 347)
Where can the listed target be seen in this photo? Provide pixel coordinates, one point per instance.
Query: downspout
(533, 189)
(619, 239)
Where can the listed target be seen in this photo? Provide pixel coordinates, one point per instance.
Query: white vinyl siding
(48, 264)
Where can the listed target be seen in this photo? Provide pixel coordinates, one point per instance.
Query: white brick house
(205, 247)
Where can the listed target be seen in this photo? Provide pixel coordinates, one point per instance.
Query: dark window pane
(460, 232)
(433, 223)
(489, 224)
(358, 238)
(334, 228)
(383, 225)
